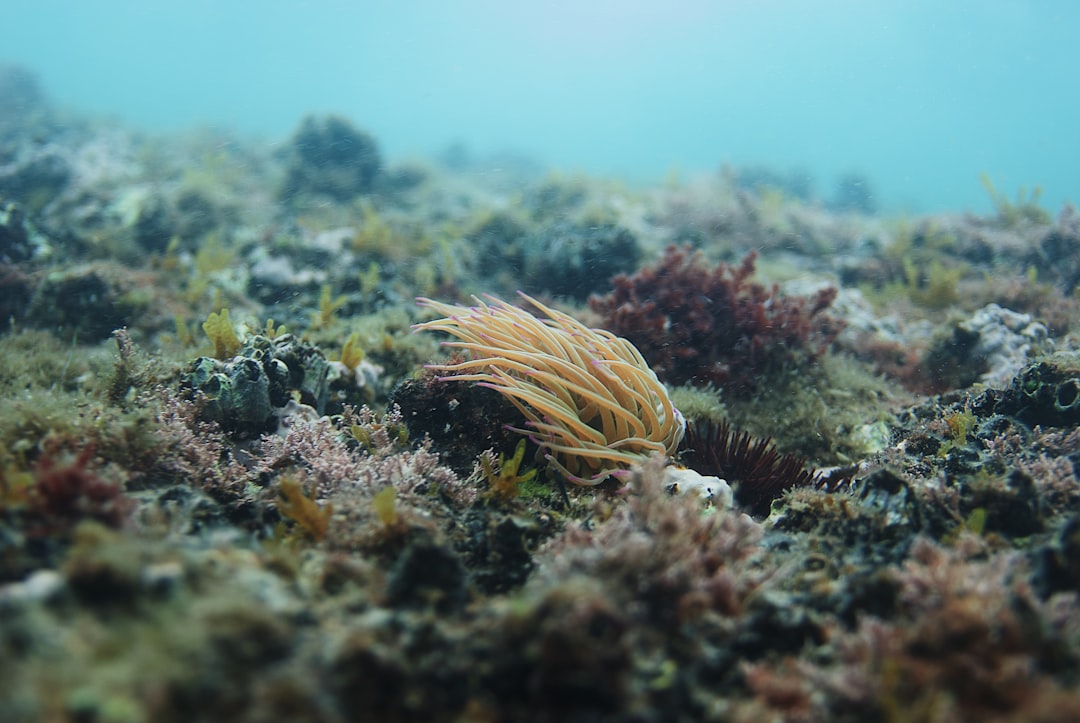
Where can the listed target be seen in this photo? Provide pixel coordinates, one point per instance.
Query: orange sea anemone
(592, 403)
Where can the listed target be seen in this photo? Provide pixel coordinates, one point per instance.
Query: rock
(330, 157)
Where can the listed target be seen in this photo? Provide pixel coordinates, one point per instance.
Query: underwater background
(919, 97)
(541, 362)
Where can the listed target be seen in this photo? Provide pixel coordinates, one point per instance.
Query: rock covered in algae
(245, 393)
(330, 157)
(1046, 392)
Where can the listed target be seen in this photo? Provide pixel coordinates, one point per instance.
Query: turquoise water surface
(921, 97)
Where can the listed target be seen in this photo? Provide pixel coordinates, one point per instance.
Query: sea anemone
(594, 407)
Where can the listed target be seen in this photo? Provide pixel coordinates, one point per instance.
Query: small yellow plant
(504, 482)
(301, 509)
(213, 256)
(328, 307)
(222, 335)
(384, 504)
(273, 332)
(170, 260)
(1024, 210)
(369, 280)
(183, 332)
(375, 236)
(16, 484)
(376, 437)
(351, 353)
(959, 423)
(936, 288)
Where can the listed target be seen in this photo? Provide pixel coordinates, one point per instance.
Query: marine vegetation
(295, 520)
(1013, 214)
(222, 335)
(705, 325)
(504, 476)
(594, 407)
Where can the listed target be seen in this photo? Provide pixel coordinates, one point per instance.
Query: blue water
(921, 96)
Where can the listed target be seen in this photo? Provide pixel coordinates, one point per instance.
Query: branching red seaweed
(696, 324)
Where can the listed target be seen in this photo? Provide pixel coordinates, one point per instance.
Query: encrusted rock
(332, 158)
(91, 301)
(15, 243)
(246, 394)
(1007, 340)
(990, 346)
(1047, 392)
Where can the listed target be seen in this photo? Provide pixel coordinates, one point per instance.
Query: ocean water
(919, 97)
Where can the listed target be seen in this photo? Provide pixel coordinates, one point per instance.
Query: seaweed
(698, 324)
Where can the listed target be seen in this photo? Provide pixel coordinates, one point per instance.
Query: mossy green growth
(375, 235)
(915, 268)
(699, 404)
(934, 288)
(821, 412)
(329, 305)
(64, 398)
